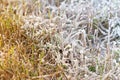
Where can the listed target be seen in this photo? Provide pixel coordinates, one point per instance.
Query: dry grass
(20, 56)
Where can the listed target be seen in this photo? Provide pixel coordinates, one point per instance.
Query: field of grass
(59, 40)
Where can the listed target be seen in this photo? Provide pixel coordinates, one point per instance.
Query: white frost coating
(74, 22)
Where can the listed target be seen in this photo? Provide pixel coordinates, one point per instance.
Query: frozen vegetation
(59, 39)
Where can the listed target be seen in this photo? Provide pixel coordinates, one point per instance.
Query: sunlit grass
(20, 57)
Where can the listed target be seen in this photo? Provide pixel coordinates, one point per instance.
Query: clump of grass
(92, 68)
(20, 56)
